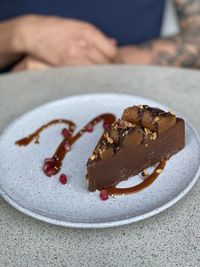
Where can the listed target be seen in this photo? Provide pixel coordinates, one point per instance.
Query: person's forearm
(10, 49)
(184, 48)
(181, 50)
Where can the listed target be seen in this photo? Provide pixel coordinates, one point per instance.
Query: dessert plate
(25, 187)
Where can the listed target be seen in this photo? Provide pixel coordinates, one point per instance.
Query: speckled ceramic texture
(25, 187)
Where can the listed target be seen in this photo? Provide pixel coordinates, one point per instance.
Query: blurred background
(37, 35)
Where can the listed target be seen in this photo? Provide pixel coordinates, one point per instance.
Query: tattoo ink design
(182, 49)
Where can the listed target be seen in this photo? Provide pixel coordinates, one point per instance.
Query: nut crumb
(153, 136)
(92, 157)
(100, 150)
(156, 119)
(129, 124)
(125, 133)
(159, 170)
(147, 131)
(114, 126)
(109, 139)
(141, 106)
(126, 124)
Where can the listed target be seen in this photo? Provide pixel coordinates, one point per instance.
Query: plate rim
(108, 224)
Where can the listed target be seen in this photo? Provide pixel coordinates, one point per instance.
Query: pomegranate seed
(103, 195)
(89, 128)
(106, 125)
(65, 132)
(49, 170)
(46, 166)
(63, 178)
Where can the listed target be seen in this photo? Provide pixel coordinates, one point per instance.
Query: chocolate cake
(140, 139)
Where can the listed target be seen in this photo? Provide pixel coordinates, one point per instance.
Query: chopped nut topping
(100, 151)
(126, 124)
(130, 125)
(115, 124)
(114, 135)
(147, 131)
(153, 136)
(92, 157)
(125, 133)
(109, 139)
(156, 119)
(141, 106)
(159, 170)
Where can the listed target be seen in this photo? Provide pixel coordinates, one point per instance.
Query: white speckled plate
(24, 186)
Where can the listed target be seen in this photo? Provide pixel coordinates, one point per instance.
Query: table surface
(171, 238)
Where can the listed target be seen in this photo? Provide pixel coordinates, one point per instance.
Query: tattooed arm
(182, 49)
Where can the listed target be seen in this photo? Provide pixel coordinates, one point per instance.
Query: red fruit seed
(63, 178)
(103, 195)
(49, 169)
(65, 132)
(89, 128)
(45, 167)
(106, 125)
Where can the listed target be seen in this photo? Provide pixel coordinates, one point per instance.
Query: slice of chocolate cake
(140, 139)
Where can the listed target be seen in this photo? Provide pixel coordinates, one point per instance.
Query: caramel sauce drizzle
(65, 146)
(36, 135)
(134, 189)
